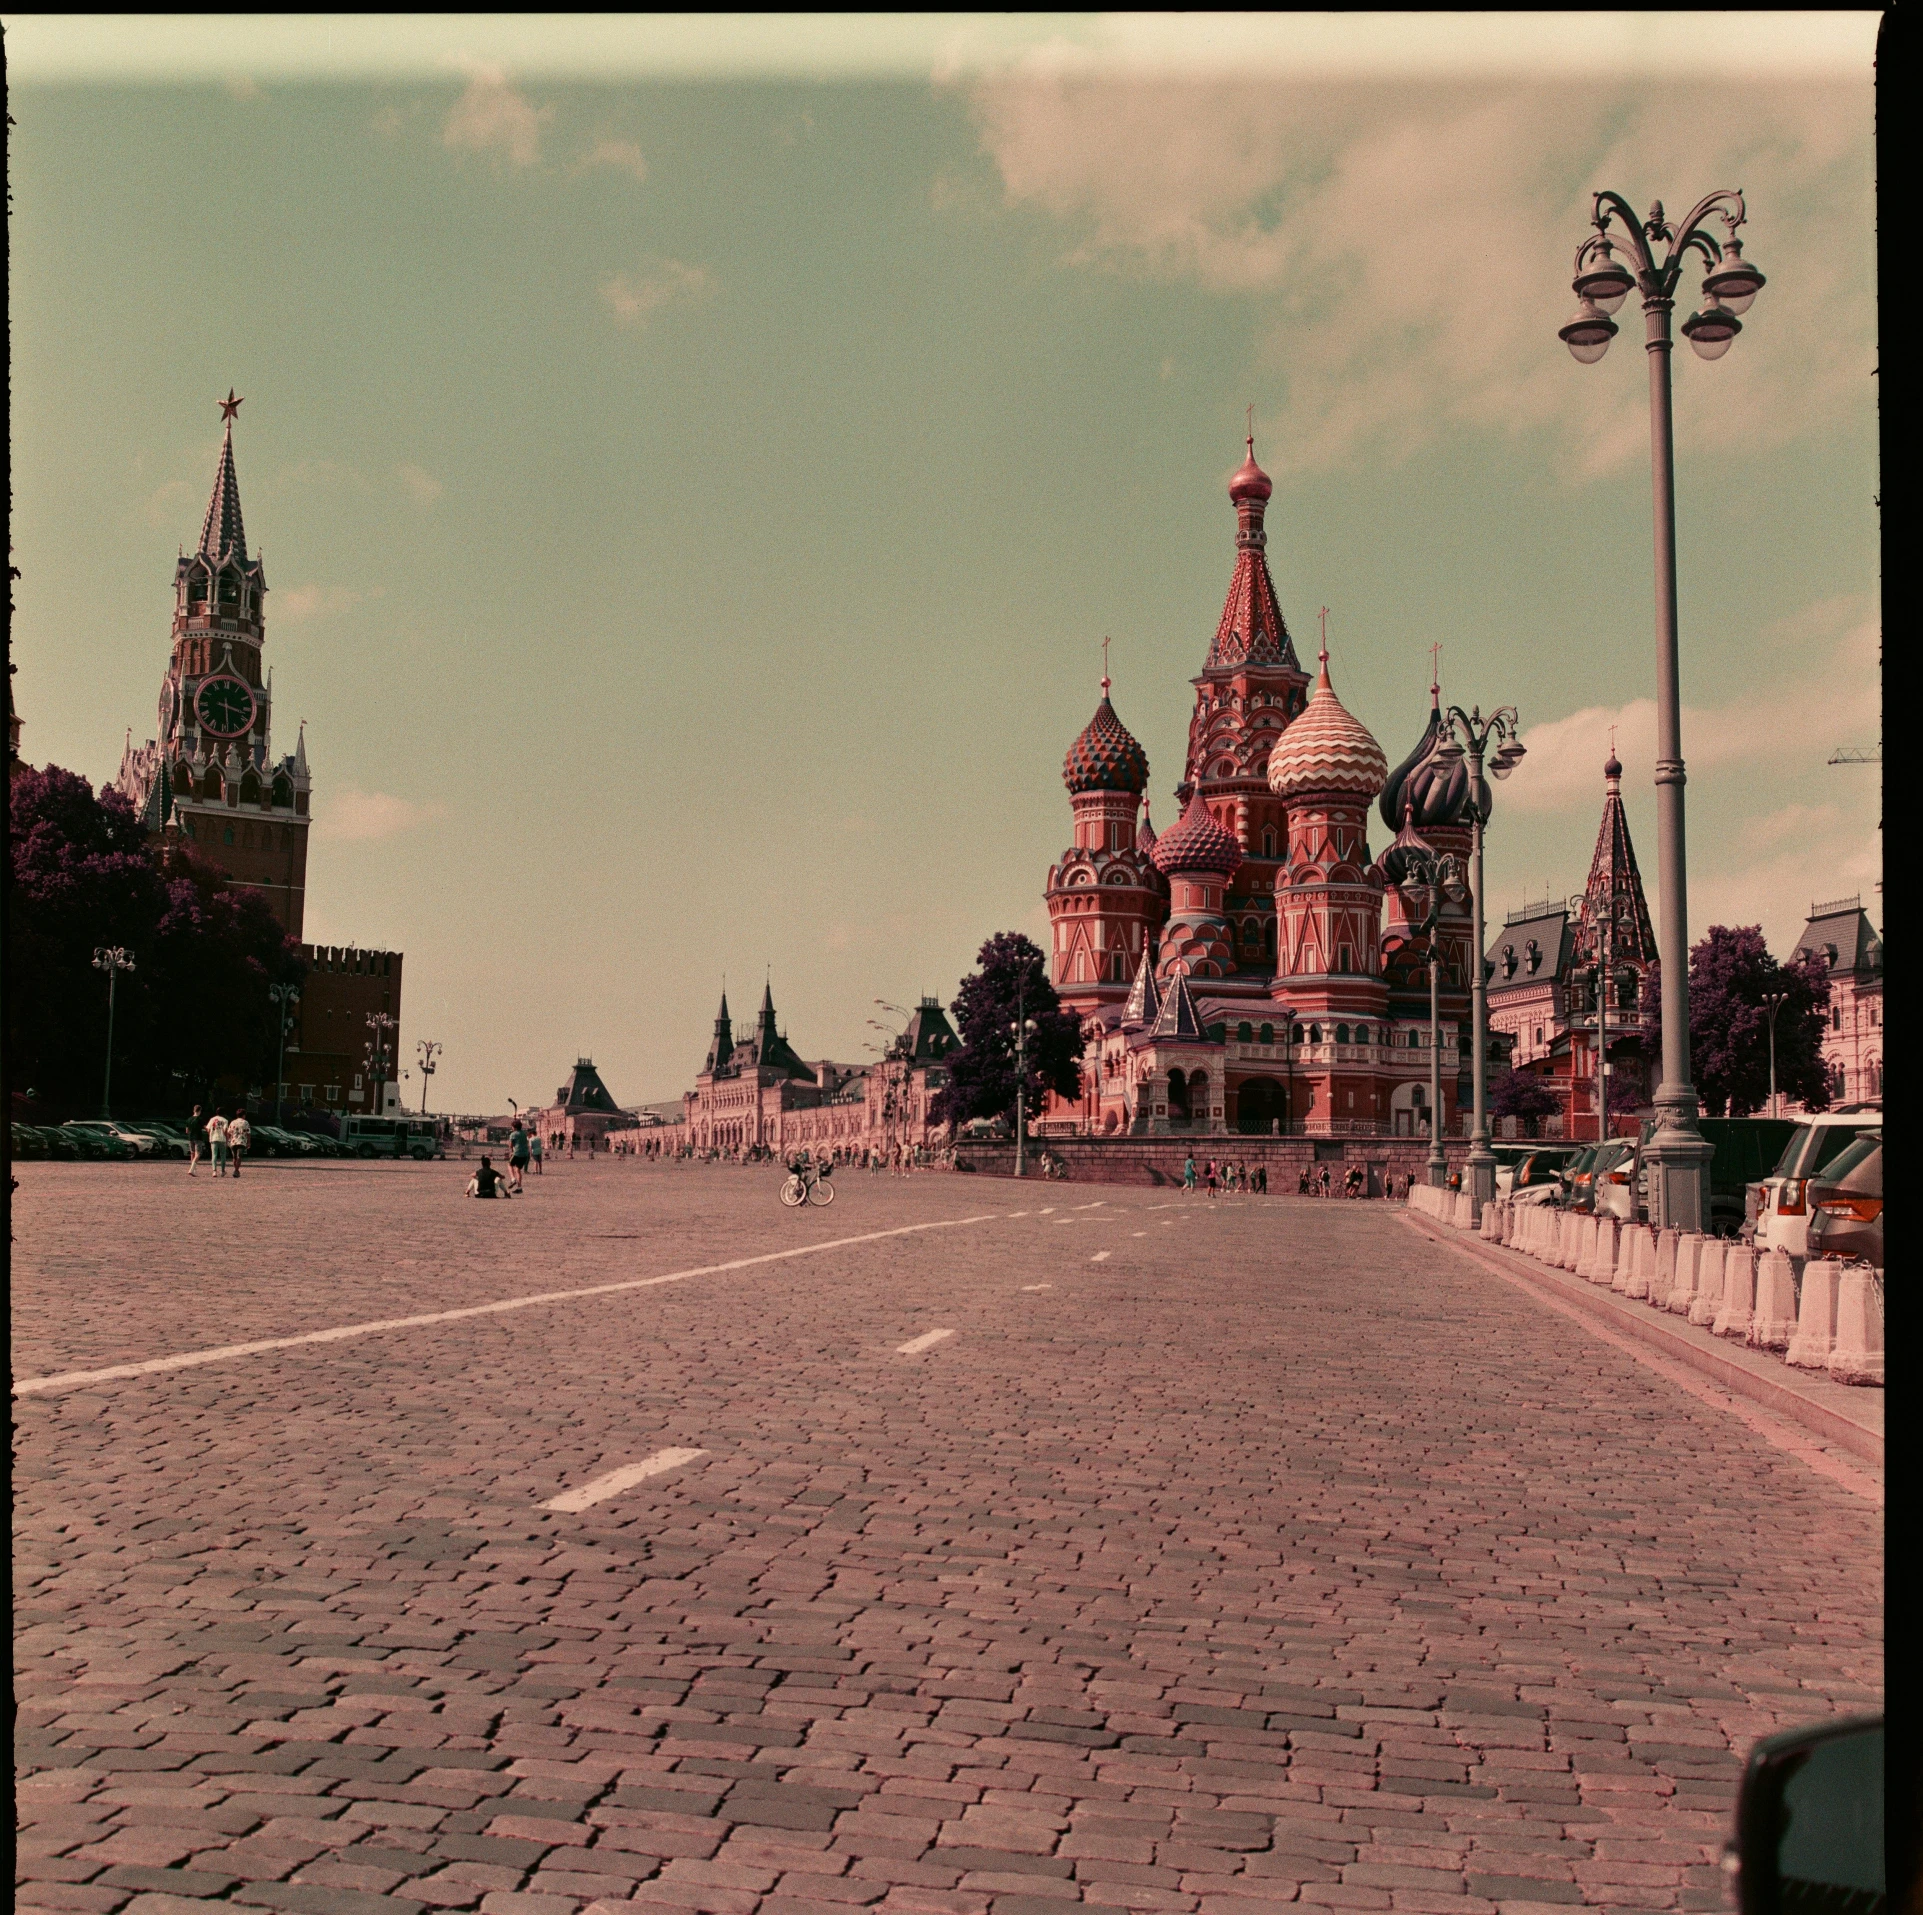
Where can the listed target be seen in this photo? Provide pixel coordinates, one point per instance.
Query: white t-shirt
(216, 1129)
(240, 1134)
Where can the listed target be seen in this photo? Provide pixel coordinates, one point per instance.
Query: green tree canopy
(1012, 982)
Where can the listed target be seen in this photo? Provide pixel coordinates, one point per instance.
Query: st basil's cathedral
(1253, 968)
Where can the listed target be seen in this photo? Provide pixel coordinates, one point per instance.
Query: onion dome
(1104, 757)
(1250, 481)
(1145, 838)
(1613, 769)
(1326, 749)
(1404, 850)
(1196, 842)
(1437, 794)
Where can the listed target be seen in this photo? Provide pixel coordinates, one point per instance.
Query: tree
(1525, 1095)
(1730, 972)
(192, 1012)
(1012, 982)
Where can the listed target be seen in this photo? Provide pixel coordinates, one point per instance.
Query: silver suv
(1777, 1209)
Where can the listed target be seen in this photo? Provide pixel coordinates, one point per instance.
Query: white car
(137, 1141)
(1779, 1205)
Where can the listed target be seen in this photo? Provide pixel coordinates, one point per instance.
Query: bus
(418, 1137)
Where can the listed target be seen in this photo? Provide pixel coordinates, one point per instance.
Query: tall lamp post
(1773, 1001)
(1470, 735)
(1021, 1028)
(1678, 1154)
(113, 959)
(429, 1051)
(379, 1023)
(1428, 879)
(284, 998)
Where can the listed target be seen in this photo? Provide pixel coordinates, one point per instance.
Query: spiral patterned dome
(1197, 843)
(1105, 757)
(1435, 794)
(1326, 749)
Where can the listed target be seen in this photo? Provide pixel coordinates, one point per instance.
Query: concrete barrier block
(1815, 1337)
(1662, 1273)
(1554, 1230)
(1773, 1322)
(1632, 1262)
(1709, 1283)
(1682, 1289)
(1492, 1222)
(1569, 1247)
(1601, 1267)
(1858, 1355)
(1739, 1292)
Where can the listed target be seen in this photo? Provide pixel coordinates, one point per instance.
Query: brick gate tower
(210, 772)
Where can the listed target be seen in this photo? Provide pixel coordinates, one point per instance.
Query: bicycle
(1054, 1170)
(808, 1184)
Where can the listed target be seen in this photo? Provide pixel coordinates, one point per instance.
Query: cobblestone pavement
(1226, 1555)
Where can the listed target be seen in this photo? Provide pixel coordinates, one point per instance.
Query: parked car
(1743, 1145)
(137, 1142)
(1846, 1204)
(26, 1141)
(1809, 1823)
(97, 1139)
(168, 1142)
(1780, 1206)
(1538, 1166)
(1590, 1174)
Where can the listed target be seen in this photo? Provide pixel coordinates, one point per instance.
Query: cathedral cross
(1104, 668)
(1435, 667)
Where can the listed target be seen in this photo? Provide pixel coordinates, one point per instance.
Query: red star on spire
(229, 405)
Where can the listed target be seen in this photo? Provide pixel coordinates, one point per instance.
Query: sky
(697, 461)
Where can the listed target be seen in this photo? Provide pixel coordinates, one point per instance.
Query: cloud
(491, 117)
(366, 815)
(634, 298)
(422, 487)
(166, 502)
(1403, 249)
(623, 155)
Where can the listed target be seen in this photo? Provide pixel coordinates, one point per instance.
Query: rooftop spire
(1251, 631)
(221, 533)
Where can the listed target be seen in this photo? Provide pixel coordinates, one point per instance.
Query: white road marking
(1038, 1286)
(1141, 1233)
(1018, 1213)
(926, 1341)
(1101, 1256)
(192, 1359)
(1048, 1211)
(615, 1481)
(1096, 1205)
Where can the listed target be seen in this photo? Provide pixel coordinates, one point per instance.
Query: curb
(1658, 1334)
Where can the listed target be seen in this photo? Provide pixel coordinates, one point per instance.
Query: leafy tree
(1012, 982)
(1730, 972)
(1523, 1094)
(193, 1012)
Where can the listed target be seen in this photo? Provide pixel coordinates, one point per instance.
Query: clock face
(225, 706)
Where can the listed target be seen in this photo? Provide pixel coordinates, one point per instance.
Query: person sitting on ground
(486, 1181)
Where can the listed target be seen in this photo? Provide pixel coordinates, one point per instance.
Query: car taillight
(1863, 1209)
(1789, 1201)
(1619, 1176)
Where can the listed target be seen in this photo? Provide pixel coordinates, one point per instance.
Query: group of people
(1318, 1181)
(523, 1149)
(1235, 1176)
(226, 1140)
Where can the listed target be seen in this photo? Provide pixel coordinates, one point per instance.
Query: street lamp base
(1678, 1161)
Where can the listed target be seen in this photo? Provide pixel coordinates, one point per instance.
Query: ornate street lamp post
(1773, 1001)
(284, 998)
(1677, 1153)
(1429, 879)
(429, 1051)
(1468, 734)
(1021, 1028)
(113, 959)
(379, 1023)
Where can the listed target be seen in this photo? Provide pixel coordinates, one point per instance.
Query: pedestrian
(485, 1180)
(217, 1143)
(196, 1139)
(1188, 1177)
(517, 1155)
(1209, 1175)
(1302, 1183)
(1262, 1171)
(1327, 1179)
(534, 1152)
(240, 1135)
(570, 1144)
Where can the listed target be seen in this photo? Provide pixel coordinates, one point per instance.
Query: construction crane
(1857, 755)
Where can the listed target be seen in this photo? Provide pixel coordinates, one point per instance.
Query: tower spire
(222, 534)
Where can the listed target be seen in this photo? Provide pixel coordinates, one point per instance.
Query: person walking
(1188, 1178)
(240, 1137)
(1328, 1177)
(517, 1155)
(196, 1139)
(1208, 1173)
(217, 1143)
(534, 1152)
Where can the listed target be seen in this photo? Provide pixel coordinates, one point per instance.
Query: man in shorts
(196, 1140)
(240, 1137)
(534, 1150)
(517, 1155)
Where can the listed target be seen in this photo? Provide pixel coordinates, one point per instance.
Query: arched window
(229, 588)
(1315, 1033)
(1873, 1073)
(1244, 1034)
(196, 588)
(1362, 1033)
(1268, 842)
(1268, 1034)
(283, 794)
(1342, 1033)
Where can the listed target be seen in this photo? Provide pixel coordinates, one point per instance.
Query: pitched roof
(1842, 935)
(1144, 999)
(1554, 937)
(1615, 887)
(584, 1090)
(1177, 1020)
(1251, 630)
(929, 1036)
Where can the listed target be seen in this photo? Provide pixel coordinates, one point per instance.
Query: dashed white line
(1047, 1211)
(1101, 1256)
(192, 1359)
(615, 1481)
(1096, 1205)
(1038, 1286)
(1141, 1233)
(926, 1341)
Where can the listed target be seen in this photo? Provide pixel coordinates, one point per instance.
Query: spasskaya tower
(210, 772)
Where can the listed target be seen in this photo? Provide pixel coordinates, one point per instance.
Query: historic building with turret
(1238, 972)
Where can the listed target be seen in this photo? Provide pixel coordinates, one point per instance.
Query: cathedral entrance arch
(1409, 1110)
(1260, 1107)
(1178, 1098)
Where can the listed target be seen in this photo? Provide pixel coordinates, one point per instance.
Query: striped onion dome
(1195, 842)
(1105, 757)
(1326, 749)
